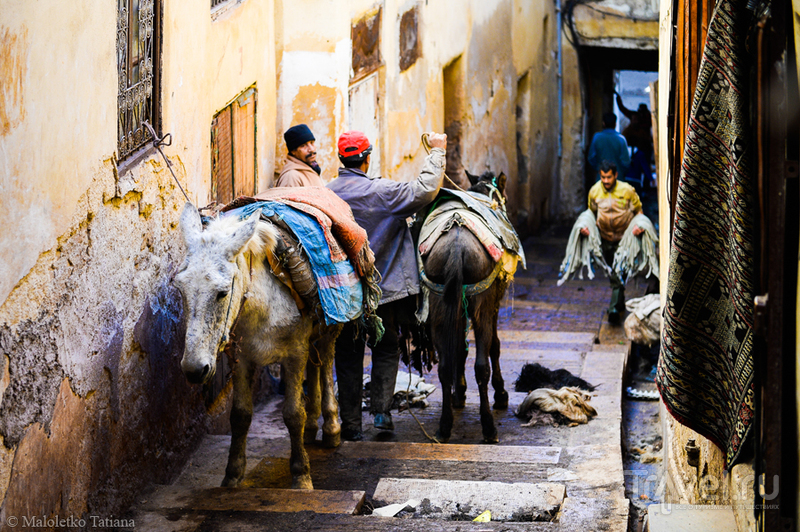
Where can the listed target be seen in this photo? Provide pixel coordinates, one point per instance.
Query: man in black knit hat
(301, 168)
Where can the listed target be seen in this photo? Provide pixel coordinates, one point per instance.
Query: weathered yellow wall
(92, 401)
(572, 198)
(536, 58)
(498, 40)
(313, 65)
(615, 24)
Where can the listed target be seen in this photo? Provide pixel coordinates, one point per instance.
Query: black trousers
(617, 303)
(385, 359)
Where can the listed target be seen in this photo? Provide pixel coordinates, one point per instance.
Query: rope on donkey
(427, 147)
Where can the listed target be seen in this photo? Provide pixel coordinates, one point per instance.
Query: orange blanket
(332, 213)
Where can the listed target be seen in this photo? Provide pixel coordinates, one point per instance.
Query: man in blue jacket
(609, 145)
(381, 207)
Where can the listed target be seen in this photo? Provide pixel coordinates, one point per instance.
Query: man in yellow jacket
(614, 204)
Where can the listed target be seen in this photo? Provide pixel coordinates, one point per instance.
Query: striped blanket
(334, 216)
(324, 225)
(706, 371)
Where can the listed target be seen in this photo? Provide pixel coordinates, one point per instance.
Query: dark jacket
(381, 207)
(609, 145)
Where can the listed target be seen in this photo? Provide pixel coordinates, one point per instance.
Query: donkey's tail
(454, 342)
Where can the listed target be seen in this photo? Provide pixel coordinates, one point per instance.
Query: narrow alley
(540, 478)
(138, 139)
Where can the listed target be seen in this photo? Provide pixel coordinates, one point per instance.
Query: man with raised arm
(381, 207)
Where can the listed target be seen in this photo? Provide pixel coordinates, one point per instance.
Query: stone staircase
(569, 477)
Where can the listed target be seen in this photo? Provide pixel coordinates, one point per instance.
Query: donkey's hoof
(442, 439)
(331, 441)
(230, 482)
(491, 439)
(459, 401)
(302, 483)
(309, 437)
(500, 401)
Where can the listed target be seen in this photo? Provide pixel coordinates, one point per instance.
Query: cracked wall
(93, 404)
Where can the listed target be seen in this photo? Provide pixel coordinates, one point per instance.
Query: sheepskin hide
(570, 402)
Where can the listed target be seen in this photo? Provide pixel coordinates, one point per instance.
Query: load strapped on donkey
(468, 253)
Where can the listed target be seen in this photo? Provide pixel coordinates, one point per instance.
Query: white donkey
(229, 291)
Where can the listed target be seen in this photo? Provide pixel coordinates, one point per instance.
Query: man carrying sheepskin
(381, 207)
(614, 204)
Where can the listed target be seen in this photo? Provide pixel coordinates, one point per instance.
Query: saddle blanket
(494, 219)
(442, 218)
(334, 216)
(340, 292)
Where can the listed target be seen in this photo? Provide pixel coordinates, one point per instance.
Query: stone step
(689, 518)
(546, 337)
(509, 454)
(254, 500)
(449, 499)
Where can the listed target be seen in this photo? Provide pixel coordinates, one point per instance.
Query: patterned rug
(705, 371)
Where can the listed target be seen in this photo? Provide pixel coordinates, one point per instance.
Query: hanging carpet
(705, 371)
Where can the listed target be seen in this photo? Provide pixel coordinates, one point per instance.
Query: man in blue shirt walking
(609, 145)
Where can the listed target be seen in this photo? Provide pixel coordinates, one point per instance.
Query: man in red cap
(381, 207)
(301, 168)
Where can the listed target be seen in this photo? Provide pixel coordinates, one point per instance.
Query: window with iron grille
(233, 149)
(138, 70)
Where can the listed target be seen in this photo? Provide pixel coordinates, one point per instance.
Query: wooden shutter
(233, 149)
(244, 134)
(222, 157)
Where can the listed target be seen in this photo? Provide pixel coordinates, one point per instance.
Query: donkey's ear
(190, 225)
(242, 235)
(473, 179)
(501, 183)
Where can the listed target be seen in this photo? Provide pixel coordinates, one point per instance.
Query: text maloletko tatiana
(94, 521)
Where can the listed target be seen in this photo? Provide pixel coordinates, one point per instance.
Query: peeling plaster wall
(618, 23)
(93, 404)
(498, 40)
(536, 62)
(572, 197)
(313, 58)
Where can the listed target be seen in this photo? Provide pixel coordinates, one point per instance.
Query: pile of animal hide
(535, 376)
(555, 397)
(583, 253)
(643, 324)
(411, 391)
(566, 405)
(637, 254)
